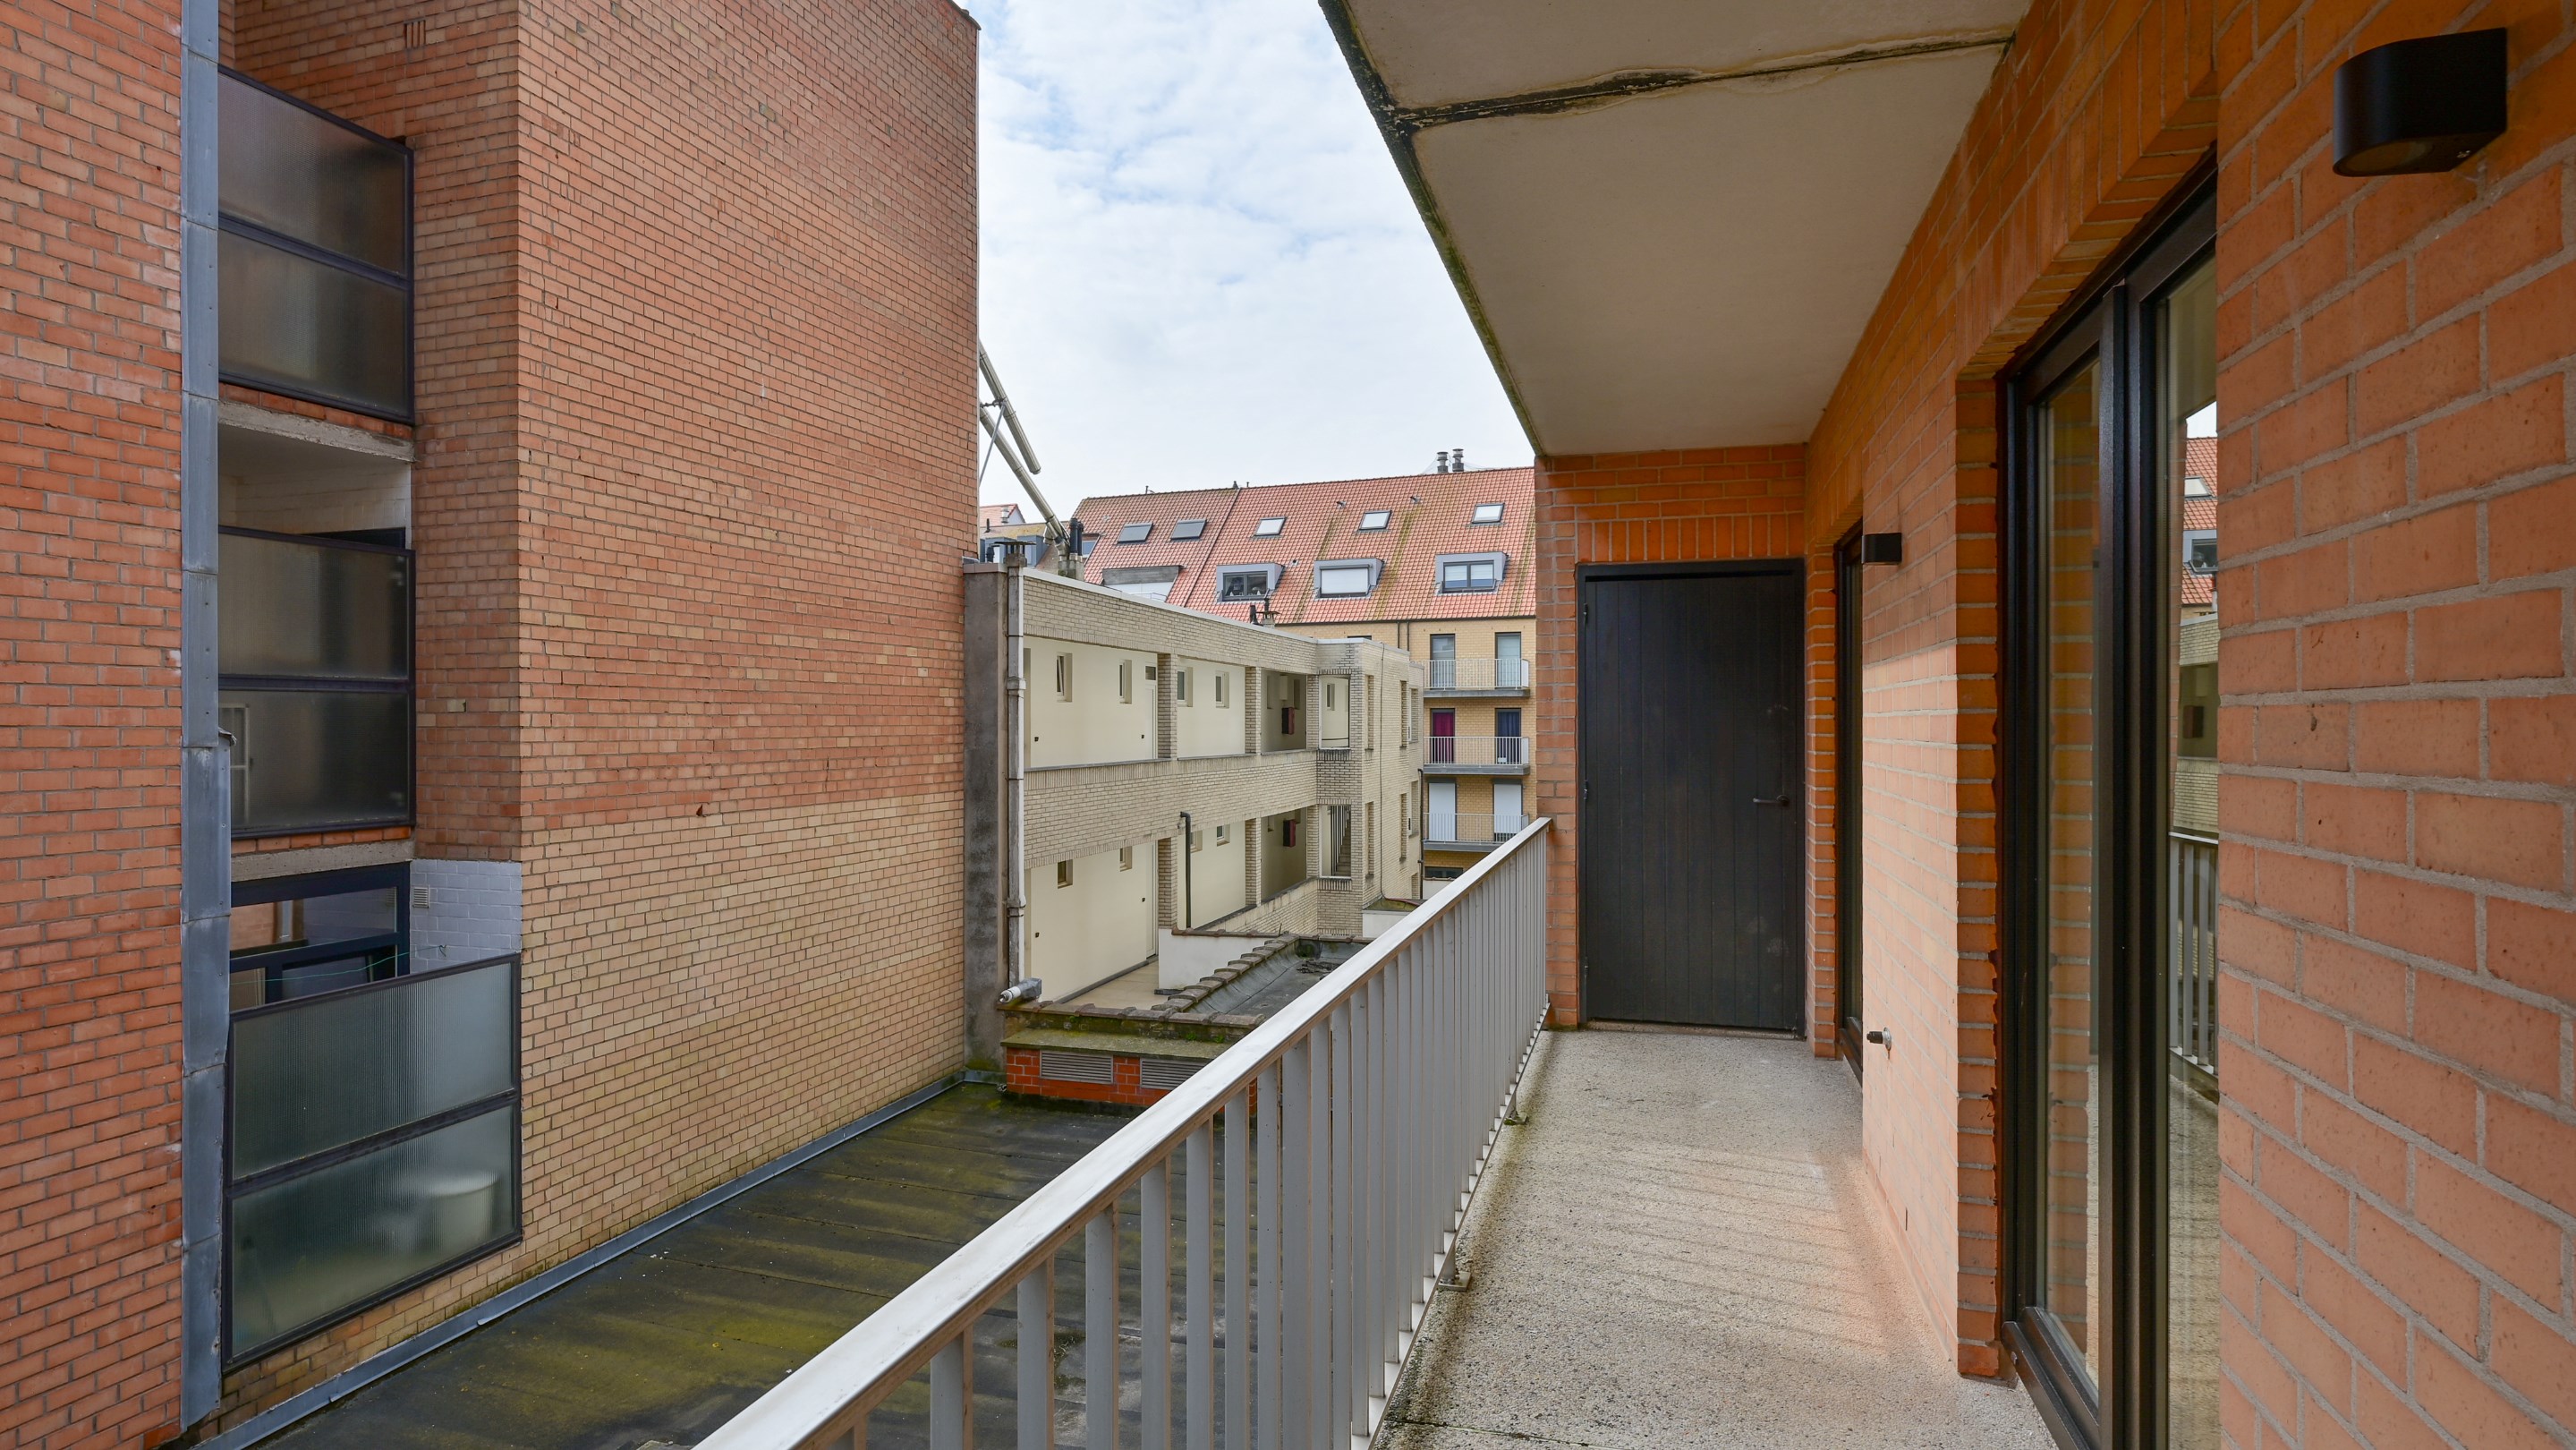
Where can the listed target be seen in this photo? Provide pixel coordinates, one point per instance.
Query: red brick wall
(2095, 116)
(1629, 508)
(2399, 734)
(697, 316)
(89, 736)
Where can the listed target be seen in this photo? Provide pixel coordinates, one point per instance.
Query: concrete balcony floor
(1681, 1247)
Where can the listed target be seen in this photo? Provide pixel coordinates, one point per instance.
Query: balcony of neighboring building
(1455, 678)
(1477, 755)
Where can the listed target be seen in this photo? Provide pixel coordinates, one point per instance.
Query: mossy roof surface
(673, 1338)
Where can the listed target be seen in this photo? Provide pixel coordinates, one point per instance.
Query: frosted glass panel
(336, 1069)
(317, 611)
(290, 322)
(307, 759)
(303, 176)
(307, 1248)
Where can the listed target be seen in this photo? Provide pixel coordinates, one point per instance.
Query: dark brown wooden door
(1692, 910)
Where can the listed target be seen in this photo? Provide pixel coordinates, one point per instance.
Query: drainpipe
(1185, 871)
(1015, 692)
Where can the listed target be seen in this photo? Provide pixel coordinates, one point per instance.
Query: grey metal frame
(1356, 1123)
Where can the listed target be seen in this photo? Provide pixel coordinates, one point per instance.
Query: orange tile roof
(2200, 511)
(1430, 516)
(992, 514)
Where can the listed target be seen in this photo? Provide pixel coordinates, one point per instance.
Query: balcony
(1477, 755)
(316, 681)
(314, 290)
(1466, 831)
(1473, 677)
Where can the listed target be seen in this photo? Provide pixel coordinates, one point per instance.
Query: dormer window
(1374, 520)
(1470, 573)
(1345, 578)
(2200, 550)
(1188, 529)
(1135, 533)
(1269, 528)
(1250, 582)
(1488, 513)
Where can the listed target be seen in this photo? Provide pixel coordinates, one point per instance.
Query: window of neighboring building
(1188, 529)
(1135, 533)
(1063, 874)
(1181, 686)
(1345, 578)
(1198, 840)
(2200, 550)
(1223, 835)
(1337, 840)
(1471, 574)
(2195, 486)
(1126, 858)
(1064, 677)
(1243, 584)
(1220, 699)
(1089, 543)
(1488, 513)
(1126, 682)
(1374, 520)
(1269, 527)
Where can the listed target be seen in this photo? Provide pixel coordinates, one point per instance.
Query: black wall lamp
(1882, 548)
(2419, 105)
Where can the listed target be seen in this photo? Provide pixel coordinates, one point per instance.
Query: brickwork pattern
(89, 762)
(1719, 503)
(692, 469)
(2398, 741)
(2094, 118)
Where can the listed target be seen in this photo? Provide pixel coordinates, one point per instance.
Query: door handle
(1771, 800)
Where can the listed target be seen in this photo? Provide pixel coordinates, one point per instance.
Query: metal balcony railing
(2194, 993)
(1477, 674)
(1494, 750)
(1476, 829)
(1319, 1169)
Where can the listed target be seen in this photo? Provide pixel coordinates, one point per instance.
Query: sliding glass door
(2109, 839)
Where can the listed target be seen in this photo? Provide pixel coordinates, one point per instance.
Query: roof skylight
(1189, 529)
(1135, 533)
(1374, 519)
(1268, 527)
(1488, 513)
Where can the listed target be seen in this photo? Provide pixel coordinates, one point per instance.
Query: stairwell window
(1063, 874)
(1064, 677)
(1126, 682)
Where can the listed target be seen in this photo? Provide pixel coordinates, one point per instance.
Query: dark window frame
(1135, 533)
(1188, 529)
(2111, 325)
(274, 960)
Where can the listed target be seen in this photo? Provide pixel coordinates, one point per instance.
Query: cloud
(1199, 262)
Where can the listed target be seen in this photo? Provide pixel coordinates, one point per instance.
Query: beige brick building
(1179, 781)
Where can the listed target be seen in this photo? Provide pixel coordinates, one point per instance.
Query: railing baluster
(1344, 1291)
(1319, 1233)
(1037, 1359)
(1100, 1330)
(1154, 1304)
(952, 1409)
(1297, 1261)
(1269, 1109)
(1238, 1272)
(1198, 1293)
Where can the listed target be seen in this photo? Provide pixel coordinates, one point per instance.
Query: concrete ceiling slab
(1672, 219)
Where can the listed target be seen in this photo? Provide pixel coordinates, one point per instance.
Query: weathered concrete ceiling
(1671, 218)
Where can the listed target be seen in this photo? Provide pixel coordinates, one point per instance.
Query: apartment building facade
(1179, 782)
(1434, 564)
(483, 654)
(2053, 585)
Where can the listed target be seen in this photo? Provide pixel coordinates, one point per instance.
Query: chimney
(1457, 460)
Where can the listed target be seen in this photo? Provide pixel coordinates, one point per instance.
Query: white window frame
(1376, 519)
(1270, 528)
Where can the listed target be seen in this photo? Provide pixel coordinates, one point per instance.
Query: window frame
(1270, 528)
(1385, 519)
(1185, 530)
(1497, 562)
(1477, 519)
(1135, 533)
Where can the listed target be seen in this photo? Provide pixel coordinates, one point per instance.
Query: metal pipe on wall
(1015, 693)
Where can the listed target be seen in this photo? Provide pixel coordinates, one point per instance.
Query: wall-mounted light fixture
(2419, 105)
(1882, 548)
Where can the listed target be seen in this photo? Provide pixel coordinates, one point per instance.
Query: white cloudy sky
(1199, 263)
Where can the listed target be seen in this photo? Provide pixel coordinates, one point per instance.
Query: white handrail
(1379, 1090)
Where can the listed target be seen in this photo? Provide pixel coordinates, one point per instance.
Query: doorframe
(1850, 991)
(1587, 575)
(2128, 1408)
